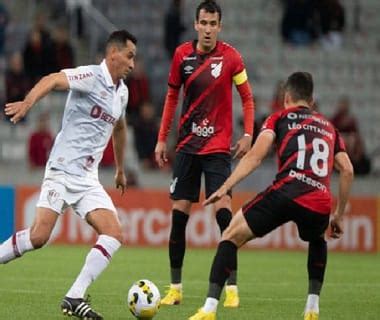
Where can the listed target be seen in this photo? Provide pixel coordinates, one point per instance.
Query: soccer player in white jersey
(95, 110)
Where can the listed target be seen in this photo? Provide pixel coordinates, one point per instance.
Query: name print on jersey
(80, 76)
(313, 128)
(97, 112)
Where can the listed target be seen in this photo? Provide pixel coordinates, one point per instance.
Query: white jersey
(93, 106)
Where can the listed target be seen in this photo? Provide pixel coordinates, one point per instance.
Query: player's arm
(346, 174)
(244, 88)
(246, 165)
(119, 140)
(53, 81)
(170, 105)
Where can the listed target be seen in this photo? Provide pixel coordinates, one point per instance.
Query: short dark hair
(120, 38)
(300, 86)
(209, 6)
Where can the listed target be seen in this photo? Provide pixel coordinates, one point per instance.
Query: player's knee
(39, 239)
(237, 234)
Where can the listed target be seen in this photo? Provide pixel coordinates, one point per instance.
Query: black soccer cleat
(79, 308)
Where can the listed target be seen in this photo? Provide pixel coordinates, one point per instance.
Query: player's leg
(50, 204)
(98, 210)
(225, 260)
(184, 190)
(217, 168)
(31, 238)
(311, 228)
(177, 248)
(316, 266)
(256, 219)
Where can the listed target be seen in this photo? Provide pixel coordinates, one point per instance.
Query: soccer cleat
(232, 298)
(79, 308)
(311, 315)
(173, 297)
(202, 315)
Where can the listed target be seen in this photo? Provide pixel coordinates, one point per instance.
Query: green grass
(272, 285)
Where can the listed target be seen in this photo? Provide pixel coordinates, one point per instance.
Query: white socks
(15, 246)
(210, 305)
(312, 303)
(177, 286)
(96, 261)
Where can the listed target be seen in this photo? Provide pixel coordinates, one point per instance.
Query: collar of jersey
(107, 74)
(204, 54)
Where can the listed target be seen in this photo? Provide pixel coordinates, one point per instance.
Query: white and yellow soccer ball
(144, 299)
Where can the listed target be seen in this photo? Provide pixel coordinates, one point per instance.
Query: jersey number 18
(319, 158)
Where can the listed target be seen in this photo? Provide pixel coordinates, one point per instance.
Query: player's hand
(336, 226)
(160, 153)
(216, 196)
(121, 181)
(242, 146)
(17, 110)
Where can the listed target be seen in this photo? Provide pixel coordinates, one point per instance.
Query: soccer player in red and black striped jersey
(308, 148)
(206, 69)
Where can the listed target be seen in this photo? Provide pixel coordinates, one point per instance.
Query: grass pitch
(272, 285)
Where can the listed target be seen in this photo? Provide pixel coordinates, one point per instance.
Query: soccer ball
(144, 299)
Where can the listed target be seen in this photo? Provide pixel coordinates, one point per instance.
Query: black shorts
(187, 173)
(270, 209)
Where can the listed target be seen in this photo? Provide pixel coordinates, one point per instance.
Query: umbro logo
(188, 69)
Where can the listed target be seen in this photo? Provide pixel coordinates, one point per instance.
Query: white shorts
(60, 190)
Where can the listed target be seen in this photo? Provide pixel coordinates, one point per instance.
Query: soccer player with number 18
(308, 147)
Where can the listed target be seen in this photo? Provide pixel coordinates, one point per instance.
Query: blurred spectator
(38, 57)
(17, 83)
(40, 142)
(38, 53)
(64, 53)
(139, 92)
(145, 134)
(298, 25)
(332, 22)
(4, 19)
(173, 27)
(347, 125)
(277, 102)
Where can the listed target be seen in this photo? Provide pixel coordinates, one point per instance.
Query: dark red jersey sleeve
(168, 113)
(238, 65)
(248, 105)
(270, 122)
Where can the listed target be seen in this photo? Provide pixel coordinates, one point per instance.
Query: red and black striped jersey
(306, 144)
(206, 118)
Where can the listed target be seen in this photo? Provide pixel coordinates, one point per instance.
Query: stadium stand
(253, 26)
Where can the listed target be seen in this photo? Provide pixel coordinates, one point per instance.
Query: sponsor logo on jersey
(309, 181)
(216, 58)
(203, 130)
(189, 58)
(216, 69)
(293, 116)
(98, 113)
(188, 69)
(80, 76)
